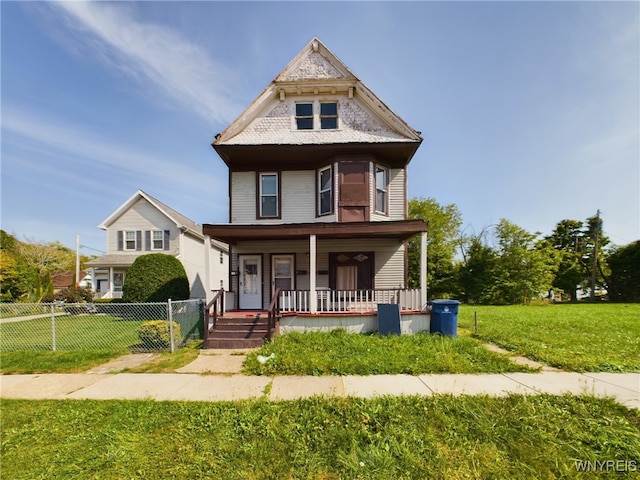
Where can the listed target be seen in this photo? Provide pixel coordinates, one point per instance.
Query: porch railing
(273, 313)
(354, 301)
(212, 311)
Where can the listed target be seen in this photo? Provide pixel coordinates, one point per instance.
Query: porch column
(111, 285)
(207, 268)
(423, 269)
(313, 307)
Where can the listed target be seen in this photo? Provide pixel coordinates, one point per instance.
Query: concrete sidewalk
(623, 387)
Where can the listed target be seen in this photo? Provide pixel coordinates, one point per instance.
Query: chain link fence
(99, 326)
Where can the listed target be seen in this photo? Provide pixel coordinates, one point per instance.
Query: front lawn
(581, 337)
(517, 437)
(341, 353)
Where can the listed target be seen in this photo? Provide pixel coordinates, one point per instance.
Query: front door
(250, 297)
(282, 269)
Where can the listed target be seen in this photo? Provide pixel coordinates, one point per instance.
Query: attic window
(328, 115)
(304, 116)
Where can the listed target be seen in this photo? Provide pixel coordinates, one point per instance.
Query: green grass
(517, 437)
(579, 337)
(73, 332)
(21, 362)
(340, 353)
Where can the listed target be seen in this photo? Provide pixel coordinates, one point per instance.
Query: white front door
(250, 282)
(282, 272)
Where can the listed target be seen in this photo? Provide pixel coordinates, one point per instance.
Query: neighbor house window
(328, 115)
(268, 185)
(130, 240)
(325, 191)
(157, 240)
(304, 116)
(382, 187)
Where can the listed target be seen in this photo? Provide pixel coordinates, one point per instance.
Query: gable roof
(314, 71)
(180, 220)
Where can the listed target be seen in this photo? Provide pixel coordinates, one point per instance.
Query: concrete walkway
(214, 376)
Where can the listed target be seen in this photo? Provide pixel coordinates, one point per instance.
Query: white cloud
(155, 55)
(82, 148)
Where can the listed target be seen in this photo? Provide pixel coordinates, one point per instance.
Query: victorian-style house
(318, 169)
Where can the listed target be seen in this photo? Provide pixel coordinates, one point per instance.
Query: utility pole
(77, 261)
(595, 257)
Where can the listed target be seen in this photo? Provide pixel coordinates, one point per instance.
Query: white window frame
(154, 234)
(321, 191)
(126, 240)
(316, 116)
(335, 102)
(382, 189)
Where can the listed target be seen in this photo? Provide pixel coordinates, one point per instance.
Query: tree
(155, 277)
(624, 282)
(568, 240)
(444, 225)
(476, 271)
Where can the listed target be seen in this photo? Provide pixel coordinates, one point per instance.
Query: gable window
(304, 116)
(328, 115)
(382, 187)
(268, 201)
(325, 191)
(157, 240)
(130, 240)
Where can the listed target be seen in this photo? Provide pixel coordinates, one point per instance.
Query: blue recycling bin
(444, 317)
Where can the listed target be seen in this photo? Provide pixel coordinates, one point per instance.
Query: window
(382, 185)
(304, 116)
(329, 116)
(325, 191)
(130, 240)
(118, 281)
(269, 195)
(157, 240)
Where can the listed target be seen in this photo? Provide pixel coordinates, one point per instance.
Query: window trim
(320, 191)
(259, 195)
(305, 117)
(385, 190)
(322, 117)
(125, 240)
(154, 240)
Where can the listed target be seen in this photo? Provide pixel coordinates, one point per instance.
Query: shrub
(155, 333)
(74, 295)
(155, 277)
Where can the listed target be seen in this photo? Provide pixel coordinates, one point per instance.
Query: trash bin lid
(443, 301)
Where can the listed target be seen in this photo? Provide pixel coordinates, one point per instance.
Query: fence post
(53, 327)
(170, 315)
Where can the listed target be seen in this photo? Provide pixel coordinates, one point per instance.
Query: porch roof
(399, 229)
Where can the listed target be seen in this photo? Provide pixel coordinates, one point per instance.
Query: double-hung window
(130, 240)
(328, 115)
(157, 240)
(304, 116)
(307, 117)
(325, 191)
(382, 189)
(269, 193)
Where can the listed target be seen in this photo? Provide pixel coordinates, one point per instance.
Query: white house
(144, 225)
(318, 169)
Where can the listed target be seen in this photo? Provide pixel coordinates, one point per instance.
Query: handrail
(273, 312)
(218, 308)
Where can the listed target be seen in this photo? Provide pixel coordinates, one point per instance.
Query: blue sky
(530, 111)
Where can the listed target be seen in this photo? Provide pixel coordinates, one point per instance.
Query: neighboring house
(318, 198)
(143, 225)
(62, 280)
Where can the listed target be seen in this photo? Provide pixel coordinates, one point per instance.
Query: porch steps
(239, 330)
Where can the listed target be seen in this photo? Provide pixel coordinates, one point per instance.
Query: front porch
(355, 311)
